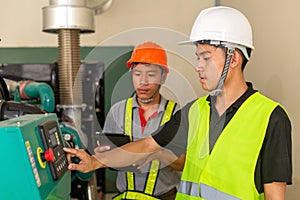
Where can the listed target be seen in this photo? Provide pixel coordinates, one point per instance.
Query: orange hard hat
(151, 53)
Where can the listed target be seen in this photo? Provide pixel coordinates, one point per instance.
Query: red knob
(48, 155)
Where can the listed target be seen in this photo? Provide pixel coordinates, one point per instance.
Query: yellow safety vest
(152, 175)
(227, 172)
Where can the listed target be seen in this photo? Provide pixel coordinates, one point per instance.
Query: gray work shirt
(114, 123)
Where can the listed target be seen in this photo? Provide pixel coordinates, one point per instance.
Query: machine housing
(24, 170)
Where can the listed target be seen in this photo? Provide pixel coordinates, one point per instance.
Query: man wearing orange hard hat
(138, 117)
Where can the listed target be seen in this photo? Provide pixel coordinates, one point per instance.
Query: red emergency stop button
(48, 155)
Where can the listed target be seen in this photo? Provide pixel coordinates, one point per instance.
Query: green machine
(117, 86)
(33, 163)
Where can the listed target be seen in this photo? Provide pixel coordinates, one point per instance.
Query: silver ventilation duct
(68, 18)
(68, 14)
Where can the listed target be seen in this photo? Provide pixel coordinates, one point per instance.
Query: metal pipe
(69, 18)
(68, 67)
(41, 91)
(33, 90)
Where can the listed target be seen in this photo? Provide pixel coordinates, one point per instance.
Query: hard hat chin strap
(230, 51)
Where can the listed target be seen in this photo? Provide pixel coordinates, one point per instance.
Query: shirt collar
(244, 96)
(241, 99)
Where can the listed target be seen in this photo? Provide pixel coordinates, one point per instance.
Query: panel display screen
(53, 135)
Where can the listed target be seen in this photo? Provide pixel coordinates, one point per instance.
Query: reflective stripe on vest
(207, 192)
(189, 188)
(228, 171)
(128, 118)
(152, 175)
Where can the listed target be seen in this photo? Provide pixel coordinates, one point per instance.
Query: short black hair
(245, 60)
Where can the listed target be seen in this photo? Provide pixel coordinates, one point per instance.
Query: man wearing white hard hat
(237, 141)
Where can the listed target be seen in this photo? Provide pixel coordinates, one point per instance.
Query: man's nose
(199, 66)
(144, 80)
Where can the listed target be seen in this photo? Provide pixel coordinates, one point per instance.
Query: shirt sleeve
(277, 149)
(115, 119)
(173, 135)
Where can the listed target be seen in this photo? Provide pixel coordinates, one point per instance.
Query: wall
(273, 68)
(22, 27)
(21, 21)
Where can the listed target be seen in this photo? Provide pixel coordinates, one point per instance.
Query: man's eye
(203, 58)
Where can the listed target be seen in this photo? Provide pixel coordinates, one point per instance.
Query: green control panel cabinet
(33, 163)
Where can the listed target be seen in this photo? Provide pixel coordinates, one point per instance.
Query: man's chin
(207, 87)
(143, 95)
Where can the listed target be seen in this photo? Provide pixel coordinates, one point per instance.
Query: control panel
(53, 145)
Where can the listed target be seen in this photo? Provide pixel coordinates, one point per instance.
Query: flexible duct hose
(70, 88)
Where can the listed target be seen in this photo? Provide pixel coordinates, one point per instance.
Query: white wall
(274, 68)
(21, 21)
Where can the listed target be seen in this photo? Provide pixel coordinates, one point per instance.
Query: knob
(48, 155)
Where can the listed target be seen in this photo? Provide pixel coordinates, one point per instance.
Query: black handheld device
(116, 140)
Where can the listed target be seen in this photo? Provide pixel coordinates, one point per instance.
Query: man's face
(210, 63)
(146, 80)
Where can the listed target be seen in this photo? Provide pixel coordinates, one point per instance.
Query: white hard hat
(222, 24)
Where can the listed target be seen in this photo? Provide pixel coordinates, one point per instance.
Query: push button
(48, 155)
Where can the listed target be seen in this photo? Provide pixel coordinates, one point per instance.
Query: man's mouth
(202, 78)
(142, 91)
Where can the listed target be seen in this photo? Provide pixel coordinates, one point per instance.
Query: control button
(48, 156)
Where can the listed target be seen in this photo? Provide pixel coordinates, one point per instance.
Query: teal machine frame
(23, 174)
(114, 59)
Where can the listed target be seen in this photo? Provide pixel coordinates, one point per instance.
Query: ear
(163, 78)
(236, 59)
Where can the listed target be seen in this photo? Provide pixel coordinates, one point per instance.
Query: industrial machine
(34, 164)
(27, 97)
(42, 96)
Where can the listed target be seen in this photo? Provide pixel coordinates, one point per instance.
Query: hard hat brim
(186, 42)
